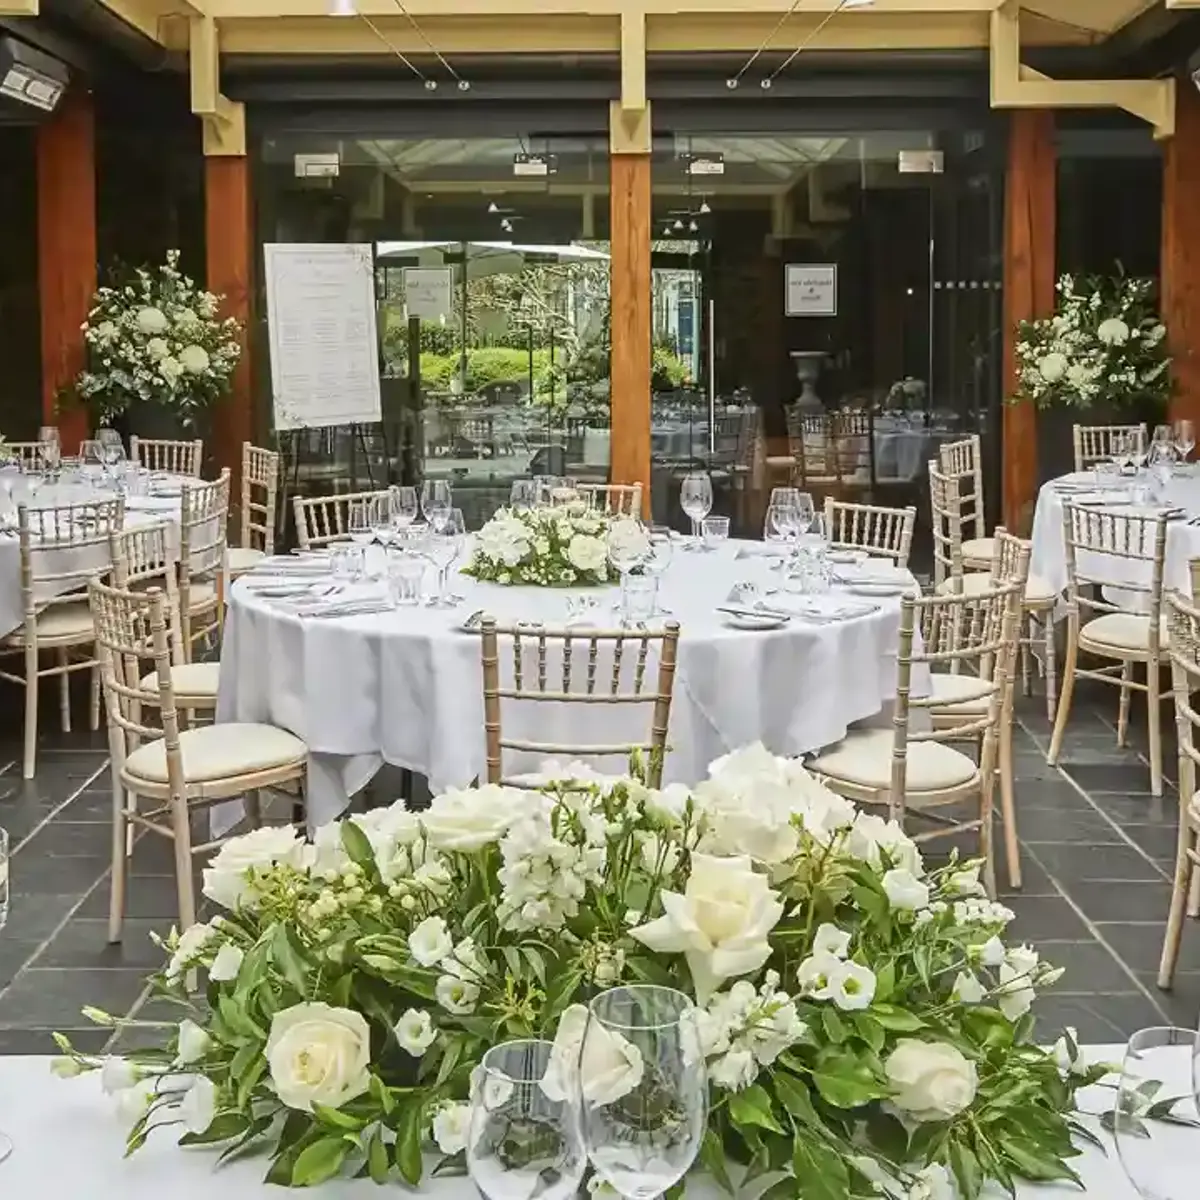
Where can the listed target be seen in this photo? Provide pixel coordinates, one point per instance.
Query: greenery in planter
(1104, 344)
(156, 337)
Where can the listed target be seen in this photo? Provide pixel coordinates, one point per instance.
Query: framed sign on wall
(811, 290)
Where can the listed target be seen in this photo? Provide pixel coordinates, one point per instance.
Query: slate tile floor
(1097, 854)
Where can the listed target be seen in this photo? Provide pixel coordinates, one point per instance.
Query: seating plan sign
(321, 326)
(427, 292)
(811, 290)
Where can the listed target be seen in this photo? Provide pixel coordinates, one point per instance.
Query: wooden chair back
(203, 525)
(963, 462)
(324, 519)
(945, 504)
(143, 558)
(165, 454)
(1183, 623)
(882, 532)
(560, 666)
(29, 456)
(614, 499)
(260, 488)
(1097, 443)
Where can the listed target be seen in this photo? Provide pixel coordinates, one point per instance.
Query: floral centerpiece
(157, 338)
(1104, 343)
(865, 1026)
(563, 546)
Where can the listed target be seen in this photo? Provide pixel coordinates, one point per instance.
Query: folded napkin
(345, 608)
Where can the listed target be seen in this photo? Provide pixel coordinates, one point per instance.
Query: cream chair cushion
(60, 623)
(963, 693)
(864, 758)
(1123, 631)
(201, 596)
(979, 550)
(243, 558)
(190, 680)
(1037, 591)
(219, 752)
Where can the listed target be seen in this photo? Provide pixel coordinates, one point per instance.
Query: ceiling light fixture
(493, 207)
(704, 210)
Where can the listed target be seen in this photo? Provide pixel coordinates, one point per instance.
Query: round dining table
(404, 685)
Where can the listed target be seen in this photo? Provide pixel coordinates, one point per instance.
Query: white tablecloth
(69, 1147)
(1048, 559)
(139, 510)
(405, 687)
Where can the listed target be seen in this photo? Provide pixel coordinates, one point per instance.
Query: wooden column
(630, 300)
(1029, 272)
(229, 250)
(66, 220)
(1180, 272)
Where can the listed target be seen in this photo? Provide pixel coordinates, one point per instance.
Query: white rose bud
(117, 1075)
(430, 942)
(930, 1081)
(193, 1043)
(415, 1032)
(227, 963)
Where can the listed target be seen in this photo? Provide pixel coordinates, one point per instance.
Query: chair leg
(1185, 875)
(94, 699)
(1026, 638)
(182, 829)
(253, 801)
(121, 829)
(29, 765)
(1123, 710)
(1193, 903)
(1008, 805)
(64, 691)
(1154, 719)
(1063, 715)
(1047, 619)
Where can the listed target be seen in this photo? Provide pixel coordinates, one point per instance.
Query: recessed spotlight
(693, 226)
(678, 224)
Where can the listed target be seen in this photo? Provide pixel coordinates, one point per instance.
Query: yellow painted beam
(633, 59)
(18, 8)
(224, 121)
(1016, 86)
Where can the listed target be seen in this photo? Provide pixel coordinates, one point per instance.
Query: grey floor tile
(1160, 842)
(1065, 825)
(53, 998)
(83, 943)
(1034, 880)
(1132, 901)
(1137, 810)
(40, 1042)
(1182, 1002)
(92, 805)
(1141, 945)
(1045, 918)
(1089, 968)
(1097, 1019)
(147, 896)
(1084, 863)
(1117, 775)
(1053, 792)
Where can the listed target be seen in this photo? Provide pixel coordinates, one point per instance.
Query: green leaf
(237, 1020)
(885, 981)
(712, 1156)
(820, 1173)
(381, 1092)
(249, 1080)
(793, 1095)
(319, 1162)
(512, 959)
(1035, 1163)
(358, 846)
(378, 1163)
(753, 1107)
(537, 964)
(408, 1141)
(966, 1170)
(870, 1030)
(450, 1059)
(289, 958)
(896, 1019)
(337, 1119)
(848, 1089)
(224, 1127)
(835, 1027)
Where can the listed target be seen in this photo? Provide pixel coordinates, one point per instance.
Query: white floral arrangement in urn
(865, 1027)
(158, 338)
(562, 546)
(1104, 343)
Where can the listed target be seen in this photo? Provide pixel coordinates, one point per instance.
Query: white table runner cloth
(405, 686)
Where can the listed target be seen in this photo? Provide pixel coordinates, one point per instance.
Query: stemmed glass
(6, 1145)
(658, 559)
(405, 507)
(1161, 1167)
(696, 500)
(644, 1128)
(1185, 439)
(779, 522)
(51, 448)
(442, 547)
(436, 501)
(522, 495)
(520, 1142)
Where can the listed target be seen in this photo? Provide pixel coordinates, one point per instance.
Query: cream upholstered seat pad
(964, 694)
(1037, 591)
(62, 622)
(1128, 631)
(979, 549)
(219, 752)
(188, 679)
(864, 758)
(201, 595)
(242, 558)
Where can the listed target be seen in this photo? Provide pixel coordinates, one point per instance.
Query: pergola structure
(207, 35)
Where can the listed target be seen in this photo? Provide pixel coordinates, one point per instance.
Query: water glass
(5, 1142)
(358, 522)
(436, 500)
(696, 499)
(1158, 1157)
(51, 448)
(406, 573)
(644, 1131)
(714, 532)
(520, 1142)
(523, 494)
(639, 598)
(661, 550)
(346, 562)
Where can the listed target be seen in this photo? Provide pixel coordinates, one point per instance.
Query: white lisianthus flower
(415, 1032)
(873, 839)
(991, 953)
(451, 1124)
(194, 1043)
(558, 1081)
(468, 819)
(965, 882)
(457, 996)
(170, 369)
(1113, 332)
(930, 1081)
(588, 554)
(904, 890)
(228, 878)
(185, 316)
(816, 973)
(831, 940)
(105, 331)
(734, 1070)
(318, 1054)
(1016, 994)
(118, 1075)
(852, 986)
(151, 321)
(1067, 1054)
(194, 359)
(65, 1067)
(133, 1103)
(1053, 366)
(157, 349)
(968, 989)
(720, 922)
(199, 1105)
(191, 944)
(667, 804)
(430, 942)
(227, 963)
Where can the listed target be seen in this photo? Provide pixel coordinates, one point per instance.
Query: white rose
(199, 1105)
(318, 1054)
(194, 359)
(904, 890)
(118, 1075)
(193, 1042)
(430, 942)
(720, 922)
(559, 1079)
(1113, 332)
(666, 804)
(967, 988)
(227, 878)
(1067, 1054)
(458, 996)
(227, 964)
(105, 330)
(831, 940)
(156, 348)
(185, 316)
(872, 839)
(930, 1081)
(1053, 367)
(587, 553)
(415, 1032)
(628, 539)
(133, 1103)
(151, 320)
(451, 1124)
(852, 986)
(991, 953)
(468, 819)
(610, 1066)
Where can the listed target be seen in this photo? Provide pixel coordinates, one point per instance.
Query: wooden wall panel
(66, 218)
(1180, 272)
(631, 320)
(1029, 271)
(229, 252)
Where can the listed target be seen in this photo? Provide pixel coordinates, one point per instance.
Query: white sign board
(321, 322)
(811, 290)
(427, 292)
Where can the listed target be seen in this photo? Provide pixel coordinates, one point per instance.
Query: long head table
(69, 1145)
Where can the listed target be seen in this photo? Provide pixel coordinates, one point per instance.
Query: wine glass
(522, 495)
(658, 559)
(436, 500)
(91, 458)
(51, 448)
(643, 1089)
(1185, 439)
(696, 500)
(442, 547)
(112, 449)
(405, 506)
(6, 1145)
(358, 522)
(778, 523)
(520, 1142)
(1156, 1070)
